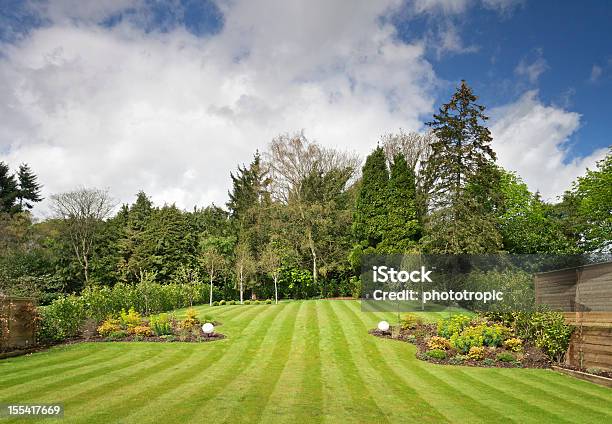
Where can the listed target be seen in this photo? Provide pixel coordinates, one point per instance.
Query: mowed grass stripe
(35, 370)
(181, 402)
(248, 395)
(450, 402)
(584, 390)
(384, 379)
(363, 404)
(47, 359)
(570, 409)
(93, 371)
(297, 396)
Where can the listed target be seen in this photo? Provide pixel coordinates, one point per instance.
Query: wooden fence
(584, 295)
(17, 323)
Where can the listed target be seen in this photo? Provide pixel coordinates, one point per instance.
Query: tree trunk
(86, 269)
(275, 290)
(211, 287)
(241, 290)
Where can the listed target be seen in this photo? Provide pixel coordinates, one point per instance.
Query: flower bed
(481, 342)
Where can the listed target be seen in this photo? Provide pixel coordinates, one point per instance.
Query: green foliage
(215, 303)
(452, 325)
(161, 325)
(469, 337)
(247, 302)
(505, 357)
(117, 335)
(370, 217)
(436, 354)
(129, 319)
(553, 335)
(222, 302)
(410, 321)
(191, 320)
(61, 319)
(231, 302)
(268, 301)
(494, 335)
(488, 362)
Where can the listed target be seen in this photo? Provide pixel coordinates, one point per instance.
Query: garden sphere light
(208, 328)
(383, 326)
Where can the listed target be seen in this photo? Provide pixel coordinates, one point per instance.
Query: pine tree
(461, 176)
(9, 190)
(29, 189)
(403, 228)
(370, 219)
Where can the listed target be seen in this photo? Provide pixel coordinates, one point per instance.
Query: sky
(169, 97)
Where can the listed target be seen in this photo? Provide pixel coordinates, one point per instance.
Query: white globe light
(383, 326)
(208, 328)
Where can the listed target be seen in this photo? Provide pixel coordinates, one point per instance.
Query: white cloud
(532, 70)
(531, 139)
(455, 7)
(173, 114)
(596, 72)
(448, 40)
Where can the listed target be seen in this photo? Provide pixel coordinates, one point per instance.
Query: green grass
(295, 362)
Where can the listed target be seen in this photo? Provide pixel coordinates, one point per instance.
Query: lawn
(309, 361)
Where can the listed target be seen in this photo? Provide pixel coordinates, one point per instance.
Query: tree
(212, 257)
(82, 212)
(271, 262)
(9, 190)
(29, 189)
(461, 177)
(589, 204)
(403, 229)
(244, 266)
(311, 181)
(371, 209)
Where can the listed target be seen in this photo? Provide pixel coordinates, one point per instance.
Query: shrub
(553, 335)
(268, 301)
(436, 354)
(514, 344)
(231, 302)
(161, 325)
(469, 337)
(437, 342)
(488, 362)
(410, 321)
(247, 302)
(191, 320)
(61, 319)
(447, 327)
(476, 353)
(221, 302)
(215, 303)
(458, 359)
(505, 357)
(256, 302)
(207, 318)
(142, 331)
(130, 319)
(109, 326)
(411, 338)
(494, 335)
(118, 335)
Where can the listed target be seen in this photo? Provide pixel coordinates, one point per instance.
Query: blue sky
(170, 96)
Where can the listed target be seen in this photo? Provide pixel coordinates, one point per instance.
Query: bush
(268, 301)
(458, 359)
(488, 362)
(469, 337)
(494, 335)
(61, 319)
(191, 320)
(142, 331)
(436, 354)
(215, 303)
(514, 344)
(118, 335)
(476, 353)
(109, 326)
(247, 302)
(411, 338)
(130, 319)
(161, 325)
(231, 302)
(437, 342)
(447, 327)
(221, 302)
(553, 335)
(410, 321)
(505, 357)
(256, 302)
